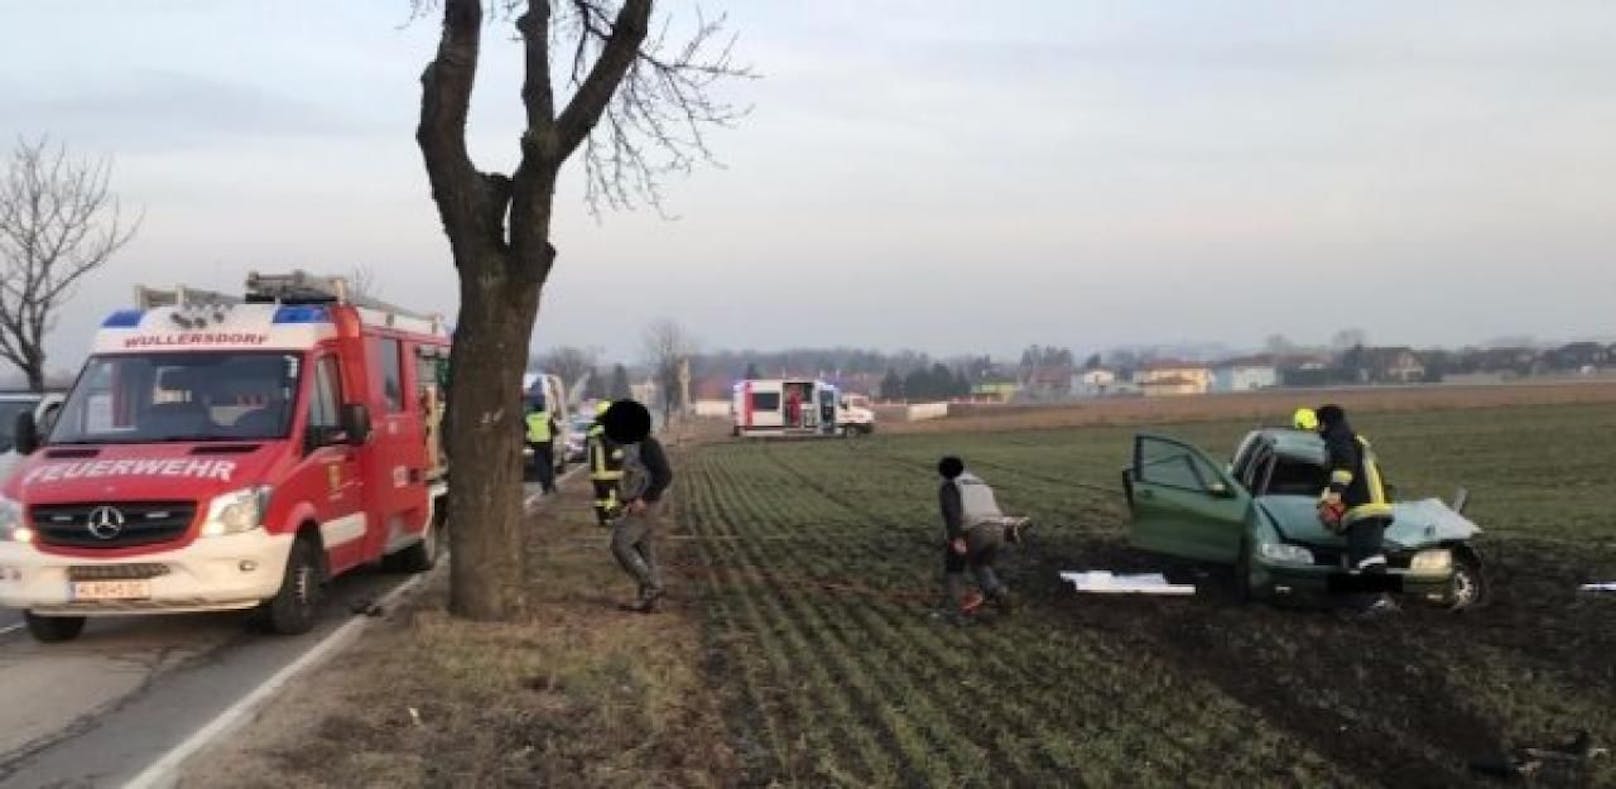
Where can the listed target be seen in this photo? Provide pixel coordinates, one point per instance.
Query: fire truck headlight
(236, 512)
(13, 528)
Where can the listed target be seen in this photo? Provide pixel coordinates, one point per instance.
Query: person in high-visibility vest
(605, 468)
(539, 431)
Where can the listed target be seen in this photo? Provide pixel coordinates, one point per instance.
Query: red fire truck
(222, 453)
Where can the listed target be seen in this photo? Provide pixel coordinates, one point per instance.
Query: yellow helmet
(600, 407)
(1305, 419)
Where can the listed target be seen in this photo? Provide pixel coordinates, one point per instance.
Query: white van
(795, 407)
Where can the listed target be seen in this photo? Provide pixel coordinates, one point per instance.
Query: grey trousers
(982, 544)
(634, 545)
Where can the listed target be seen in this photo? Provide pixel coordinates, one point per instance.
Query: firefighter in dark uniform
(605, 467)
(1355, 503)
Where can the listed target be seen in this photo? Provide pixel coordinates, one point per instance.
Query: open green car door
(1183, 504)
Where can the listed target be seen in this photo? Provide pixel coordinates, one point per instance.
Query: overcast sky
(942, 175)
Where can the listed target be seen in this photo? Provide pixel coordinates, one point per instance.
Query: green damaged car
(1259, 516)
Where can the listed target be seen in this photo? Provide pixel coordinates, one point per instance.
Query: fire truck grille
(122, 525)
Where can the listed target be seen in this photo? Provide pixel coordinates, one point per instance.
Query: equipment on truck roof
(296, 288)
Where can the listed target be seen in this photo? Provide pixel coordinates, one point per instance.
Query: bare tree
(573, 364)
(1349, 338)
(666, 346)
(638, 107)
(58, 222)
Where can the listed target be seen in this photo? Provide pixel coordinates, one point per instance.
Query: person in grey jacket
(975, 530)
(646, 476)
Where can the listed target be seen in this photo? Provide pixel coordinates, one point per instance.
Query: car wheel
(1468, 589)
(293, 609)
(53, 629)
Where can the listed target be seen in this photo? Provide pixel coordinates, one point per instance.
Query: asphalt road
(98, 710)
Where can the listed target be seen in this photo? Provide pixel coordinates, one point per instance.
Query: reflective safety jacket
(605, 457)
(539, 427)
(1355, 475)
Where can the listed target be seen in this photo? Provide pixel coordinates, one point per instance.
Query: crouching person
(645, 476)
(975, 530)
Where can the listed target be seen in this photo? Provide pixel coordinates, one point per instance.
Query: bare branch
(59, 221)
(618, 53)
(656, 122)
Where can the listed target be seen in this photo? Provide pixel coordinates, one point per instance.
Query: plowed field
(818, 567)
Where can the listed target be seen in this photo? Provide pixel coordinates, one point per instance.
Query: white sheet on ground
(1106, 582)
(1607, 586)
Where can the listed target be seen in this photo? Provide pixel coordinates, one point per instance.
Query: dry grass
(580, 694)
(1269, 406)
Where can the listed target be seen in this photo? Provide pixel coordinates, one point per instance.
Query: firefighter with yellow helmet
(1355, 503)
(605, 467)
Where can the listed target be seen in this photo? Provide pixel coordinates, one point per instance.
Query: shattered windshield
(180, 397)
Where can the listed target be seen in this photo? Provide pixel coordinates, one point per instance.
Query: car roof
(1295, 444)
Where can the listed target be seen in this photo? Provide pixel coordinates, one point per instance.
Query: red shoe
(971, 603)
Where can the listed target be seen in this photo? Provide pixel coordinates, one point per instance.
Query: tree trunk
(35, 370)
(499, 303)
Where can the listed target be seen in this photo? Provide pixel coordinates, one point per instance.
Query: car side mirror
(25, 434)
(356, 423)
(1218, 490)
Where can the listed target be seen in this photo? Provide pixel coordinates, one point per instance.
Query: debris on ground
(1604, 586)
(1529, 761)
(1105, 582)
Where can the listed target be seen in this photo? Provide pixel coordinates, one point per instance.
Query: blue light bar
(123, 319)
(302, 314)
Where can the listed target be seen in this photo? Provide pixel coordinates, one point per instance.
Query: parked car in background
(577, 447)
(1259, 515)
(43, 405)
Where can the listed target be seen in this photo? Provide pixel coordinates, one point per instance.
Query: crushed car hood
(1416, 523)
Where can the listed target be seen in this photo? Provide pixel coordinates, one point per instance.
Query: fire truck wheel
(53, 629)
(292, 610)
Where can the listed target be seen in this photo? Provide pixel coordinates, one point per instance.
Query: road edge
(165, 771)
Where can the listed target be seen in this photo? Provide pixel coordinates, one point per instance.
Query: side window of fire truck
(325, 413)
(389, 372)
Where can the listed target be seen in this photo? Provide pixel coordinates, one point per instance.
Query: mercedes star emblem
(105, 523)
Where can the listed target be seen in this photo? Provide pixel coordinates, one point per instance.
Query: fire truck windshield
(155, 397)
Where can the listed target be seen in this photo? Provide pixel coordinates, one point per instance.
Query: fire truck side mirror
(26, 434)
(356, 423)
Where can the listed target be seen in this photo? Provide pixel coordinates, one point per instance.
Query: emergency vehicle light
(123, 319)
(302, 314)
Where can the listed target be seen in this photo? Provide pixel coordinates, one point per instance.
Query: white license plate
(111, 590)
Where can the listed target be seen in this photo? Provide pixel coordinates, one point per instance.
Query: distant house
(1048, 384)
(1389, 365)
(1306, 370)
(1165, 378)
(1245, 374)
(1098, 382)
(995, 391)
(1579, 356)
(1516, 361)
